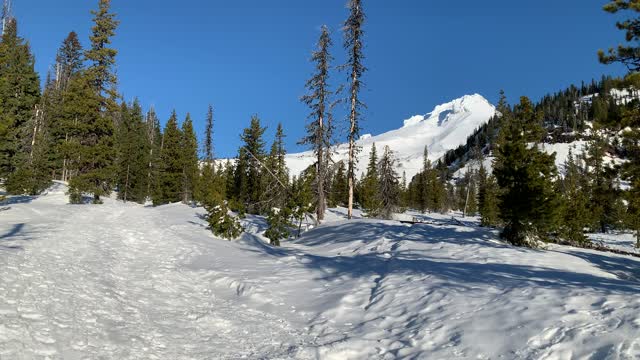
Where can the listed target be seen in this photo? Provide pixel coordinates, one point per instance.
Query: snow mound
(445, 128)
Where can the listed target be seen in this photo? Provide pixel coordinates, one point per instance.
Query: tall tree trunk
(352, 148)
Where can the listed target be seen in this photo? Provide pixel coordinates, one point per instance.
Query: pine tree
(625, 54)
(575, 212)
(353, 44)
(339, 186)
(277, 175)
(389, 187)
(602, 191)
(222, 223)
(154, 139)
(302, 203)
(424, 184)
(19, 95)
(69, 64)
(209, 187)
(102, 57)
(528, 202)
(369, 194)
(95, 164)
(133, 155)
(319, 129)
(249, 186)
(279, 225)
(487, 198)
(170, 182)
(189, 157)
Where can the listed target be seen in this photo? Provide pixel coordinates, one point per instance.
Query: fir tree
(95, 166)
(249, 185)
(389, 187)
(339, 186)
(189, 158)
(487, 198)
(625, 54)
(133, 155)
(279, 225)
(528, 202)
(575, 212)
(319, 129)
(277, 176)
(170, 182)
(353, 36)
(209, 187)
(154, 139)
(222, 223)
(19, 94)
(369, 193)
(601, 189)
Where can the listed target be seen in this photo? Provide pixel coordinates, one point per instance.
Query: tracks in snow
(108, 283)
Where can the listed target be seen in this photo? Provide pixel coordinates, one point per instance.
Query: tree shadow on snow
(463, 272)
(625, 268)
(18, 199)
(15, 231)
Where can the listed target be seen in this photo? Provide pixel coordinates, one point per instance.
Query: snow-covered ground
(123, 281)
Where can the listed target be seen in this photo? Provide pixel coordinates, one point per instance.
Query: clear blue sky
(251, 56)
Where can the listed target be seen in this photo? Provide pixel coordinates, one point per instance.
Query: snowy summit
(445, 128)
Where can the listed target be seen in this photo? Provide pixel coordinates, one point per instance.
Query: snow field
(123, 281)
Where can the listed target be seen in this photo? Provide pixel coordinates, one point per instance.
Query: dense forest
(77, 128)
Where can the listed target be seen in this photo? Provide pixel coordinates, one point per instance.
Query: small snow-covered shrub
(222, 223)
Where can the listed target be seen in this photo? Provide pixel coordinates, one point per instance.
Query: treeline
(78, 129)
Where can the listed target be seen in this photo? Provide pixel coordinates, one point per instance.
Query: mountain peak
(464, 104)
(445, 128)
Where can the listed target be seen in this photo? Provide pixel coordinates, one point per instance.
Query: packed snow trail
(107, 282)
(123, 281)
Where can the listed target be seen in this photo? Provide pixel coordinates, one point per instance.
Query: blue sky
(251, 56)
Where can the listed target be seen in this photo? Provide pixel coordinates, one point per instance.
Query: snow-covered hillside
(124, 281)
(445, 128)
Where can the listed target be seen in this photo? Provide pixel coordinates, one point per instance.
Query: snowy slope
(123, 281)
(446, 127)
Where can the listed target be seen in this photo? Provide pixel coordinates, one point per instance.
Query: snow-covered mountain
(445, 128)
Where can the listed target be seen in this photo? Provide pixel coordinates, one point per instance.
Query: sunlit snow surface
(123, 281)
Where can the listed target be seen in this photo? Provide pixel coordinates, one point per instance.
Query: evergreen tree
(91, 144)
(133, 155)
(154, 139)
(170, 182)
(102, 57)
(96, 155)
(528, 202)
(277, 175)
(625, 54)
(222, 223)
(353, 36)
(249, 186)
(339, 186)
(189, 158)
(601, 189)
(575, 212)
(320, 128)
(279, 225)
(487, 198)
(389, 187)
(369, 193)
(69, 64)
(208, 142)
(19, 95)
(302, 203)
(209, 185)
